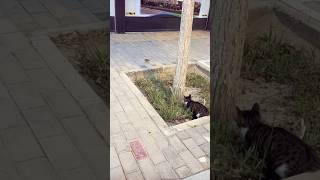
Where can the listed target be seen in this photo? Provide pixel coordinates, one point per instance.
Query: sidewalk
(168, 157)
(52, 125)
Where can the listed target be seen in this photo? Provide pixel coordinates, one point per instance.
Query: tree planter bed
(160, 77)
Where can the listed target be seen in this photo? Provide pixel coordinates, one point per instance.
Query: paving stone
(4, 94)
(45, 80)
(120, 143)
(173, 157)
(128, 162)
(177, 144)
(114, 159)
(43, 122)
(183, 171)
(148, 169)
(160, 140)
(65, 158)
(37, 169)
(10, 116)
(130, 135)
(7, 26)
(154, 152)
(4, 175)
(8, 166)
(46, 20)
(33, 6)
(97, 159)
(99, 115)
(82, 132)
(206, 148)
(117, 174)
(196, 136)
(207, 126)
(123, 117)
(29, 59)
(63, 104)
(11, 71)
(165, 170)
(135, 176)
(206, 136)
(191, 162)
(21, 143)
(193, 147)
(77, 16)
(203, 175)
(94, 6)
(71, 79)
(201, 129)
(82, 173)
(15, 41)
(71, 4)
(26, 96)
(115, 128)
(55, 8)
(182, 135)
(205, 162)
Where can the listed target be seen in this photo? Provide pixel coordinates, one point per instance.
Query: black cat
(198, 110)
(285, 154)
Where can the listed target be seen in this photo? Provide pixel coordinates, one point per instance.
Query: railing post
(119, 18)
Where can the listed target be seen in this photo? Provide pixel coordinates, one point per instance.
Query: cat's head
(248, 118)
(187, 99)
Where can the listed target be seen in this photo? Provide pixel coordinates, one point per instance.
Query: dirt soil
(274, 98)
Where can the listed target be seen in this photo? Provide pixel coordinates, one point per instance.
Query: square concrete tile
(30, 59)
(37, 169)
(63, 104)
(82, 173)
(21, 143)
(26, 95)
(10, 116)
(62, 153)
(43, 122)
(82, 132)
(45, 80)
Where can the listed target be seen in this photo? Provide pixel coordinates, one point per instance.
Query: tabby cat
(285, 154)
(198, 110)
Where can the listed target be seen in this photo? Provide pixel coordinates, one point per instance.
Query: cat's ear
(255, 107)
(189, 96)
(239, 112)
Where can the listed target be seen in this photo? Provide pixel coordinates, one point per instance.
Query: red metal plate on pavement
(138, 150)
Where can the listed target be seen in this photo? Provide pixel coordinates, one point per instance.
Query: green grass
(158, 92)
(93, 62)
(273, 59)
(198, 81)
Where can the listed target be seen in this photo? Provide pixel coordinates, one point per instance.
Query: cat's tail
(302, 129)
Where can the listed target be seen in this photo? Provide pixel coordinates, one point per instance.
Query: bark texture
(229, 22)
(184, 47)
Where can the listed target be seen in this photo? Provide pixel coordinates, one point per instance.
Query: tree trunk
(184, 47)
(228, 27)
